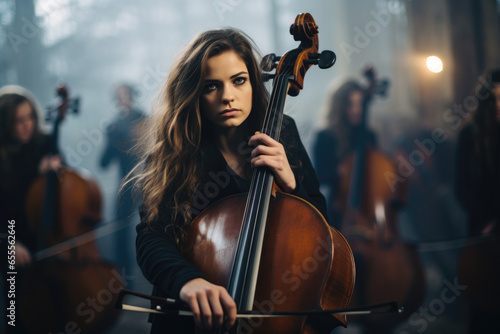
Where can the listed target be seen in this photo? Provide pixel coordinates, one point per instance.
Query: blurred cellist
(364, 204)
(478, 191)
(336, 141)
(23, 157)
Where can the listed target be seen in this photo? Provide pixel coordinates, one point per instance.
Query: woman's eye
(210, 87)
(240, 81)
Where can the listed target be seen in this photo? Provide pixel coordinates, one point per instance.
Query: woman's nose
(227, 94)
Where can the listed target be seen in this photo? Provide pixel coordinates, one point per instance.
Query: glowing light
(434, 64)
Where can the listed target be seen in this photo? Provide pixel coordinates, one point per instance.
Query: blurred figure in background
(122, 135)
(478, 164)
(337, 140)
(478, 190)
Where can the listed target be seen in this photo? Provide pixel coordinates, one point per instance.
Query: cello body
(387, 268)
(303, 259)
(77, 288)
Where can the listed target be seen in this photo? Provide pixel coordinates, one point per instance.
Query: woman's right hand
(209, 304)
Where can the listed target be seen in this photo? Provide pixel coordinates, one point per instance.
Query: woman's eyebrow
(231, 77)
(237, 74)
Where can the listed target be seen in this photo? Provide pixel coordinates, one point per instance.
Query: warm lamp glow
(434, 64)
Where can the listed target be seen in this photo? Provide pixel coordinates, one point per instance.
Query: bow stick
(390, 307)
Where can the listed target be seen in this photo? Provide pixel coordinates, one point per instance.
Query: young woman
(23, 156)
(337, 140)
(204, 145)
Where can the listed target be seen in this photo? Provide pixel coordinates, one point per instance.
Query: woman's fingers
(229, 308)
(206, 311)
(209, 304)
(23, 256)
(269, 153)
(261, 138)
(50, 163)
(217, 313)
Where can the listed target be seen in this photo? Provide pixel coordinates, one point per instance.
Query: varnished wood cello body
(387, 268)
(73, 291)
(272, 250)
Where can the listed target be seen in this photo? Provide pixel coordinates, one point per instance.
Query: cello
(387, 268)
(75, 290)
(253, 242)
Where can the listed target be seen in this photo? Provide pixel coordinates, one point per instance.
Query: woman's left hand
(269, 153)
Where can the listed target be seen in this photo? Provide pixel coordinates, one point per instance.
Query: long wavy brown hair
(337, 119)
(485, 125)
(173, 153)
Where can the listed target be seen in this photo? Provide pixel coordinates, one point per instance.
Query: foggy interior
(94, 46)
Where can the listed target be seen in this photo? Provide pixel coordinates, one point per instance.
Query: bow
(173, 307)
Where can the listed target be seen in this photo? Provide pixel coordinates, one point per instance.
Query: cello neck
(49, 214)
(355, 197)
(243, 278)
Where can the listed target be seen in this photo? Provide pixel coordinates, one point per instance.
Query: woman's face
(496, 92)
(24, 123)
(355, 109)
(226, 100)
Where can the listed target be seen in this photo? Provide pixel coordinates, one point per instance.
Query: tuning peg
(269, 61)
(266, 77)
(325, 59)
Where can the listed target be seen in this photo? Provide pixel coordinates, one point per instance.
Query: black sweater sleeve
(160, 260)
(305, 175)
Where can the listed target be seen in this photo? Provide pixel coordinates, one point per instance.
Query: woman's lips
(229, 112)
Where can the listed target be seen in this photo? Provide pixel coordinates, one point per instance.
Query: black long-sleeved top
(477, 191)
(157, 253)
(18, 169)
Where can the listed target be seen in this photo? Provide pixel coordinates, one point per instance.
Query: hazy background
(95, 45)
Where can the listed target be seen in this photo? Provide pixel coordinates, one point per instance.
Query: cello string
(240, 262)
(257, 190)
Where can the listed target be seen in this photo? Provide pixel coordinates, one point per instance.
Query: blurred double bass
(74, 290)
(386, 267)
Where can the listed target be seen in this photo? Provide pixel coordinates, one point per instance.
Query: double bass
(251, 243)
(387, 267)
(74, 290)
